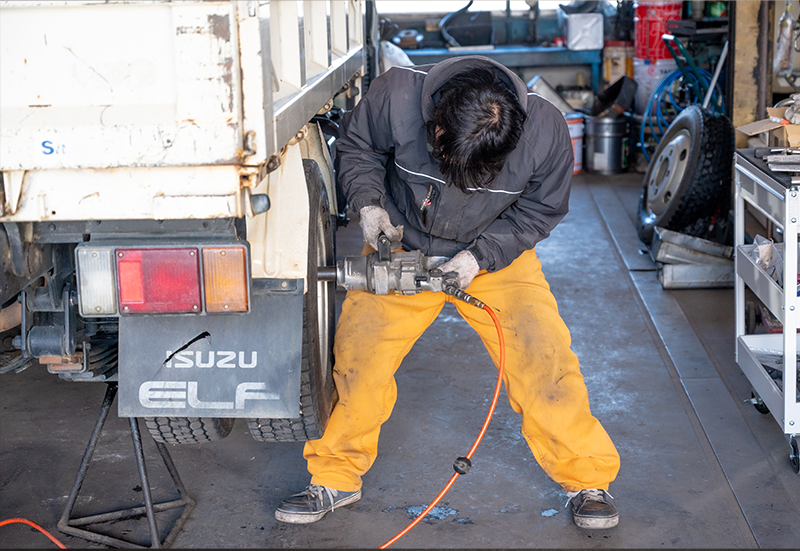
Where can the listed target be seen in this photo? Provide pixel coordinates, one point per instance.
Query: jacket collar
(440, 73)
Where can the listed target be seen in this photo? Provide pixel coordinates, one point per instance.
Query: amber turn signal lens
(225, 279)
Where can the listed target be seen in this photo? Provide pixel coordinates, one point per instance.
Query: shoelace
(589, 495)
(318, 492)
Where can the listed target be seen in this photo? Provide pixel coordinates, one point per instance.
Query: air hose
(34, 525)
(463, 464)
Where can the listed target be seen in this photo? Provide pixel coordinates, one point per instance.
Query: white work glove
(375, 220)
(465, 265)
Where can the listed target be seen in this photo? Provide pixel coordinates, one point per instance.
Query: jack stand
(69, 525)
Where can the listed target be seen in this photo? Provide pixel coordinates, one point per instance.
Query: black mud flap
(235, 365)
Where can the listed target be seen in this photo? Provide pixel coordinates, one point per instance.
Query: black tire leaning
(188, 430)
(319, 309)
(688, 181)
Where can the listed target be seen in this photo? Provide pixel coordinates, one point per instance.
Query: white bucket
(575, 125)
(647, 76)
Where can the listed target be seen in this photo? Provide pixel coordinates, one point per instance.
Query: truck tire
(690, 175)
(188, 430)
(319, 309)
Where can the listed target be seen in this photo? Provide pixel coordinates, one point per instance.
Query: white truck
(168, 196)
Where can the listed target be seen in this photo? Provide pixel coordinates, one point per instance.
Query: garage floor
(700, 468)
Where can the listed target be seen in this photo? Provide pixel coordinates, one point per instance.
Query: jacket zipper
(426, 204)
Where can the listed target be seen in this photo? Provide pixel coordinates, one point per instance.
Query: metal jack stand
(70, 525)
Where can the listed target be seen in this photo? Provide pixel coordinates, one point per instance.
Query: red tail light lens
(159, 280)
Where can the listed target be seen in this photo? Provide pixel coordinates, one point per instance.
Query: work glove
(374, 221)
(465, 265)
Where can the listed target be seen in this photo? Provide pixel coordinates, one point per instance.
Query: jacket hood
(440, 73)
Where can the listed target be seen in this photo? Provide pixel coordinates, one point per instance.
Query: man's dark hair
(476, 123)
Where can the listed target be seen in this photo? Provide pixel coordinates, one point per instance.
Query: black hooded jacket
(385, 160)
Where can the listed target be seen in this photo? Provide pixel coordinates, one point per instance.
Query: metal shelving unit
(778, 199)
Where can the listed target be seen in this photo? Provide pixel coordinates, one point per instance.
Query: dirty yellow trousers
(542, 377)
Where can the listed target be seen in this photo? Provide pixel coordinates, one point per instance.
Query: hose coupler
(454, 291)
(462, 465)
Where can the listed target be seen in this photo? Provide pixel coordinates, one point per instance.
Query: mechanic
(459, 159)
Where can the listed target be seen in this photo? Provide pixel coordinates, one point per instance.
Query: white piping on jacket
(417, 173)
(442, 181)
(544, 98)
(410, 69)
(493, 190)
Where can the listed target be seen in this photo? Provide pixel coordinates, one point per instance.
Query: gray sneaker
(592, 509)
(311, 504)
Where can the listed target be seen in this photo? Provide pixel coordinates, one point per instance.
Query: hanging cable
(463, 464)
(448, 38)
(29, 523)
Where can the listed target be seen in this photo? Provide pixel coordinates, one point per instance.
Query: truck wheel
(690, 175)
(319, 309)
(188, 430)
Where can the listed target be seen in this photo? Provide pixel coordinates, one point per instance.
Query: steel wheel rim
(323, 297)
(669, 169)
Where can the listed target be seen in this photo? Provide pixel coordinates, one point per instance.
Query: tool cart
(769, 360)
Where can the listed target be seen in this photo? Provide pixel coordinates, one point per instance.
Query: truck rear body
(155, 160)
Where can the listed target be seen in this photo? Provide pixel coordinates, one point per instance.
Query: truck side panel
(119, 85)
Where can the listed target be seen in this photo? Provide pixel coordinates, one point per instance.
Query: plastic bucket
(607, 145)
(647, 76)
(575, 125)
(650, 22)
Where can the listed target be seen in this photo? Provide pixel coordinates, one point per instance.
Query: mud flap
(236, 365)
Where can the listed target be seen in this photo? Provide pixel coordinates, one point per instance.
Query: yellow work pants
(542, 377)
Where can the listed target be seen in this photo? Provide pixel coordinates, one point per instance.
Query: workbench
(769, 360)
(518, 56)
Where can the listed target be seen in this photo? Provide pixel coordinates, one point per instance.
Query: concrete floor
(700, 468)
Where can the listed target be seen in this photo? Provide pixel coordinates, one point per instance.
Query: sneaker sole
(308, 518)
(591, 523)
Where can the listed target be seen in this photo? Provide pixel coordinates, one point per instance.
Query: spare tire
(689, 178)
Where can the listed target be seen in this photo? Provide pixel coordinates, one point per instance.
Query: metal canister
(608, 145)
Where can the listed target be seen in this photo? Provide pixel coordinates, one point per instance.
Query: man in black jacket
(459, 159)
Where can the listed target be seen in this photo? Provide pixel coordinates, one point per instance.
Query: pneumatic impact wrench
(404, 272)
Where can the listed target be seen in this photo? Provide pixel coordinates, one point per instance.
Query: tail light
(98, 290)
(158, 281)
(225, 279)
(162, 280)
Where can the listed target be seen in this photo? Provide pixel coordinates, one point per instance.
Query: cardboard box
(778, 134)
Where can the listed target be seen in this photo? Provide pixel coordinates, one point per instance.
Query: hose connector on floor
(462, 465)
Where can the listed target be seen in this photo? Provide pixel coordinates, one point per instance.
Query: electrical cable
(29, 523)
(463, 464)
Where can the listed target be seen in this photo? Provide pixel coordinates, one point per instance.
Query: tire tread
(188, 430)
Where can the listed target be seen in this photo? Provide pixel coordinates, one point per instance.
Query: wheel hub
(670, 166)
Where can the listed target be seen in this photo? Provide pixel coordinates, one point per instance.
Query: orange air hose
(29, 523)
(500, 369)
